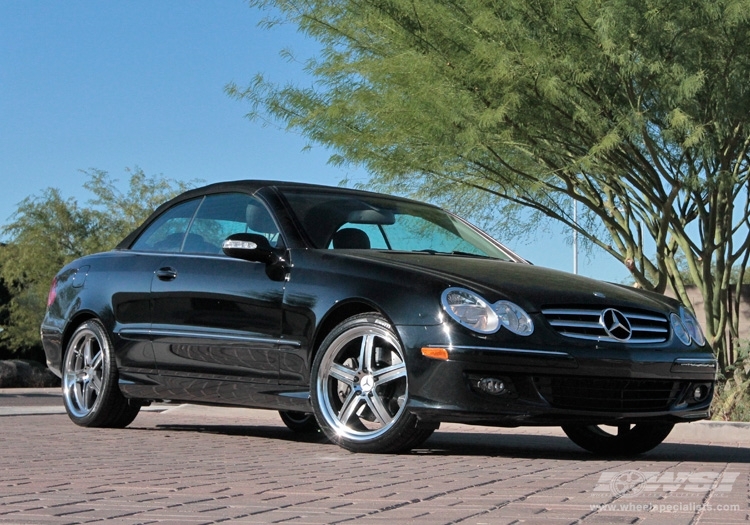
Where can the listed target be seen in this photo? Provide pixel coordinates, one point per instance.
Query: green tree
(636, 109)
(48, 231)
(4, 299)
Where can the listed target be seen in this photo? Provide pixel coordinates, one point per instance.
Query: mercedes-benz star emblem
(616, 324)
(367, 383)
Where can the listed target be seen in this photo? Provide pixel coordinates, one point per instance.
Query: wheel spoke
(78, 393)
(390, 373)
(342, 373)
(350, 406)
(78, 361)
(378, 409)
(96, 362)
(365, 353)
(623, 429)
(89, 395)
(96, 383)
(87, 357)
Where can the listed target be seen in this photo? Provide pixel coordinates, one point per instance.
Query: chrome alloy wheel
(361, 383)
(90, 387)
(83, 373)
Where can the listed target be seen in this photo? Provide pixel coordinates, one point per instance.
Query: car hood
(532, 287)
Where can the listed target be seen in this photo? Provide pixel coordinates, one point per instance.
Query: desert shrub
(732, 398)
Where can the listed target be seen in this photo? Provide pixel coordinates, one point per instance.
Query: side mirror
(249, 247)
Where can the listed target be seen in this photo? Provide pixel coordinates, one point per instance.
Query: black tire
(625, 440)
(359, 388)
(91, 394)
(300, 422)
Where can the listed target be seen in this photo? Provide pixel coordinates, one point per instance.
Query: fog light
(700, 393)
(492, 385)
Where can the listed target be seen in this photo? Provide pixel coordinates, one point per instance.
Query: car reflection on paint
(372, 318)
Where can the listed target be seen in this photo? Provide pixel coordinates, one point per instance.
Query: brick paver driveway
(191, 465)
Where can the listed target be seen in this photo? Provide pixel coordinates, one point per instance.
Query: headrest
(351, 238)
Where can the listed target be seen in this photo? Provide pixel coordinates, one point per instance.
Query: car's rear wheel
(299, 421)
(618, 440)
(360, 388)
(89, 381)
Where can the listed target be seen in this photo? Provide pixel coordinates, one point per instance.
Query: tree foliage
(637, 109)
(732, 399)
(48, 231)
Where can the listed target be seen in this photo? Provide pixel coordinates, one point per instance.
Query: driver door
(214, 318)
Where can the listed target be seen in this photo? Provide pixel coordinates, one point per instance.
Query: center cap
(367, 383)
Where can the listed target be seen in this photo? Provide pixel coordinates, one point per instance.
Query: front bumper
(502, 385)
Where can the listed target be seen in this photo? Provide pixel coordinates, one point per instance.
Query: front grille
(588, 323)
(608, 394)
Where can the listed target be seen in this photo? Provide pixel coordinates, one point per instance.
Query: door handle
(166, 274)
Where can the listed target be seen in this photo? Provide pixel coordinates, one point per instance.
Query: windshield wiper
(455, 252)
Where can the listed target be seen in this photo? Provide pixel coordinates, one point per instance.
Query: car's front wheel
(620, 440)
(89, 381)
(360, 388)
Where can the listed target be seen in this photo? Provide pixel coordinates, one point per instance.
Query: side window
(201, 225)
(167, 232)
(221, 215)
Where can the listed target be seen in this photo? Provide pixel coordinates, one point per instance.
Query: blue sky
(116, 85)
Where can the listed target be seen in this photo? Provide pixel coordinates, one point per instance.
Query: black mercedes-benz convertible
(373, 318)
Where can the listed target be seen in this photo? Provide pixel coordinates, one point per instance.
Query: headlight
(686, 328)
(679, 329)
(692, 327)
(474, 312)
(470, 310)
(514, 318)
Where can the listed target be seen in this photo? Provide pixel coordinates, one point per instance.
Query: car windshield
(333, 220)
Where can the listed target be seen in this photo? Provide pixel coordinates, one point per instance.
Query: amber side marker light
(435, 353)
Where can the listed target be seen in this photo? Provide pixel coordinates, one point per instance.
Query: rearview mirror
(249, 247)
(383, 217)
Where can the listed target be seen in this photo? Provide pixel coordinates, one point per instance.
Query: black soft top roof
(252, 186)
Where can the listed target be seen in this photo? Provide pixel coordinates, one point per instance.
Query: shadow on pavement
(699, 453)
(266, 432)
(478, 444)
(558, 447)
